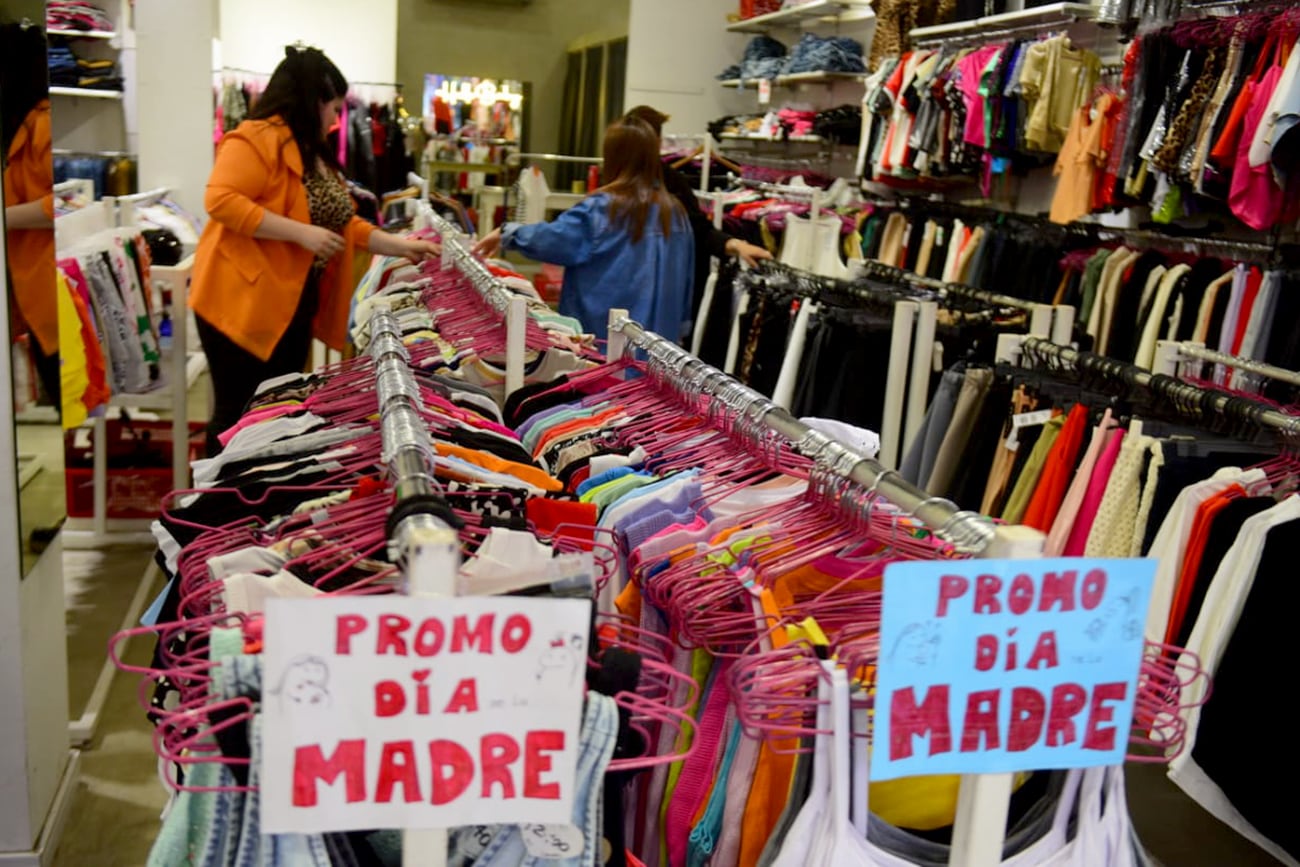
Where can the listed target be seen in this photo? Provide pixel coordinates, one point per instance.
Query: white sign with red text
(400, 712)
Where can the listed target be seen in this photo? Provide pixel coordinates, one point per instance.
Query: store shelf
(83, 34)
(818, 11)
(86, 92)
(1039, 16)
(799, 78)
(806, 139)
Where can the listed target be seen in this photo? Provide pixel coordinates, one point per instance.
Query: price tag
(1024, 420)
(765, 92)
(553, 842)
(472, 842)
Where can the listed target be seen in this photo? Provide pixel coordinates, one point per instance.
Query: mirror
(30, 268)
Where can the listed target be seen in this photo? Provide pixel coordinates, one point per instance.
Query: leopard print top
(330, 205)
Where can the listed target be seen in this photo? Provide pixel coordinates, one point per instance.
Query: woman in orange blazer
(25, 151)
(277, 261)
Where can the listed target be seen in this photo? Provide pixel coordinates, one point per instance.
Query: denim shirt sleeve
(567, 240)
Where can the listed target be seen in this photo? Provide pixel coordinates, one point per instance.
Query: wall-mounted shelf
(798, 139)
(816, 12)
(1055, 14)
(798, 79)
(86, 92)
(83, 34)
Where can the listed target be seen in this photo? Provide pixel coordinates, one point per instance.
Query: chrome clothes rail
(967, 531)
(1213, 401)
(1197, 352)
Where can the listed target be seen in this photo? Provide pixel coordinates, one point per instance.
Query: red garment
(1058, 470)
(1103, 191)
(578, 520)
(1193, 554)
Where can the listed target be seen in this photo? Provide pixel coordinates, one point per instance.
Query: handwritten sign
(394, 712)
(991, 666)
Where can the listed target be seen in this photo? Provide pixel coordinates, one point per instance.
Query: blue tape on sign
(991, 666)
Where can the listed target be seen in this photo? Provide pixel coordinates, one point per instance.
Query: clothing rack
(1169, 355)
(966, 531)
(1044, 318)
(1249, 250)
(421, 525)
(512, 306)
(983, 799)
(1012, 348)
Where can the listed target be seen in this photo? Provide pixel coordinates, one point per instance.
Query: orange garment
(249, 288)
(1077, 164)
(1193, 554)
(574, 427)
(523, 472)
(29, 177)
(1057, 471)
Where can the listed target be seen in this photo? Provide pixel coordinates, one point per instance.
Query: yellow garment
(74, 373)
(921, 803)
(1056, 80)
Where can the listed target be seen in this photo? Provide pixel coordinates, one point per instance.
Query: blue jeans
(599, 733)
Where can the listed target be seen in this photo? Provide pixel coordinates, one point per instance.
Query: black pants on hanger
(236, 373)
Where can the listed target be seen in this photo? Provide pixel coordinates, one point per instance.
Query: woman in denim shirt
(627, 245)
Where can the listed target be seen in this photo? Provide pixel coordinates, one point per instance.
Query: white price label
(1031, 419)
(1024, 420)
(764, 92)
(472, 842)
(553, 842)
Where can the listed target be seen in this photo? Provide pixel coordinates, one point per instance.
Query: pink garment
(1092, 499)
(1070, 506)
(697, 771)
(343, 134)
(971, 67)
(257, 417)
(1255, 197)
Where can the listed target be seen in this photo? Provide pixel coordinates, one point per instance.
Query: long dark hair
(304, 80)
(22, 78)
(635, 177)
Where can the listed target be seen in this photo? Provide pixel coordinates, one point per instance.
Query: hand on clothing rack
(750, 254)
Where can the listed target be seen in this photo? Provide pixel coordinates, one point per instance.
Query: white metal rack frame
(184, 369)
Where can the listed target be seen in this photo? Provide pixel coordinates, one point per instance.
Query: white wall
(675, 50)
(173, 69)
(360, 37)
(33, 652)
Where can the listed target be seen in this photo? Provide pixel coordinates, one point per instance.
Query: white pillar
(173, 80)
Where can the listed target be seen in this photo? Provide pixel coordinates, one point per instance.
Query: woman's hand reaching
(489, 246)
(321, 242)
(748, 253)
(418, 251)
